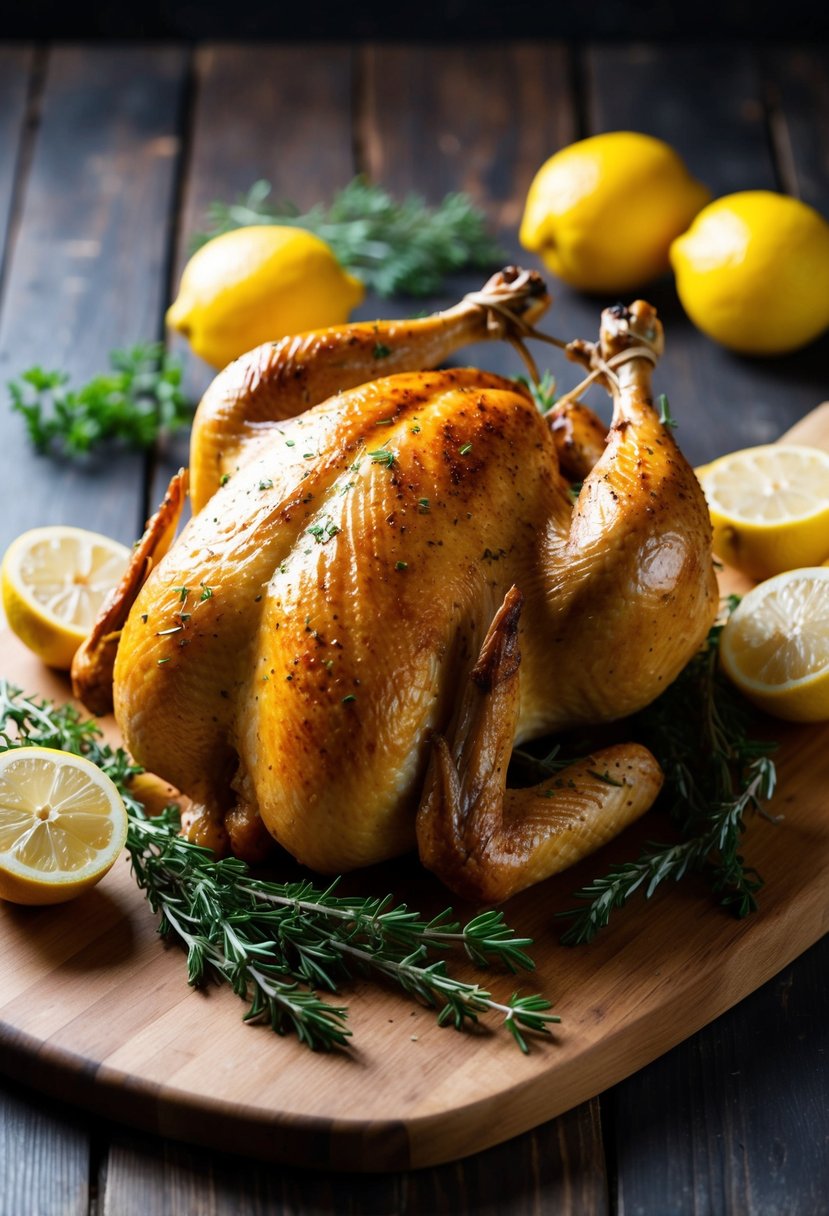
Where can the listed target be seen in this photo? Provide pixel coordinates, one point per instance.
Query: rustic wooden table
(108, 157)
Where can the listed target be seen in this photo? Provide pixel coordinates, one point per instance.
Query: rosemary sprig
(715, 775)
(277, 943)
(132, 404)
(397, 247)
(543, 391)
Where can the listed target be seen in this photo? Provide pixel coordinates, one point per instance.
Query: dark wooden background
(108, 157)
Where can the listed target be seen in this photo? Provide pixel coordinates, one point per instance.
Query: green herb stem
(395, 246)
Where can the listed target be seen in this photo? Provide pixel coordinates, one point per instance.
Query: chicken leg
(487, 842)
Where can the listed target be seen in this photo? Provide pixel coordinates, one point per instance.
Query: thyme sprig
(138, 398)
(396, 246)
(716, 774)
(276, 944)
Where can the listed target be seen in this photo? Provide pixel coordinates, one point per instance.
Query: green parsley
(132, 404)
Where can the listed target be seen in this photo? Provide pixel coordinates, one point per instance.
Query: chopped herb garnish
(665, 416)
(401, 565)
(415, 430)
(160, 661)
(465, 449)
(381, 351)
(224, 479)
(384, 456)
(323, 532)
(206, 593)
(423, 505)
(182, 593)
(290, 443)
(266, 484)
(349, 698)
(606, 778)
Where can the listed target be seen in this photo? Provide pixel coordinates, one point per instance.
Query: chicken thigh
(386, 585)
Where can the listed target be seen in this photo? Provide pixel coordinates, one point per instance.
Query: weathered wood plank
(797, 84)
(44, 1155)
(735, 1120)
(88, 264)
(718, 1125)
(722, 401)
(548, 1172)
(486, 119)
(16, 66)
(276, 112)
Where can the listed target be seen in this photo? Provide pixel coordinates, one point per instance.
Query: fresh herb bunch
(135, 401)
(277, 943)
(397, 247)
(715, 775)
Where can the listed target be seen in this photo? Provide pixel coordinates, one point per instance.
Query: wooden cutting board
(95, 1009)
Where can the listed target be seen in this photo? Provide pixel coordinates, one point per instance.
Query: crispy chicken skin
(385, 588)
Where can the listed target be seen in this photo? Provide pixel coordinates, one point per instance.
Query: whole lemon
(257, 284)
(752, 272)
(602, 212)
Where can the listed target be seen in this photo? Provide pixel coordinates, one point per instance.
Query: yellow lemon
(770, 507)
(257, 284)
(602, 212)
(62, 825)
(55, 581)
(752, 272)
(775, 646)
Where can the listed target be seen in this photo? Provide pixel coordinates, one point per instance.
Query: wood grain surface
(112, 1019)
(732, 1119)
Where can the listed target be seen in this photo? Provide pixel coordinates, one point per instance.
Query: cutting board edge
(359, 1146)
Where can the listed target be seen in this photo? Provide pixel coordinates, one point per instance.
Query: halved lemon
(62, 825)
(770, 507)
(54, 582)
(775, 646)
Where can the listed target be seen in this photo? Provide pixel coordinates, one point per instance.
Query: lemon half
(55, 581)
(775, 646)
(62, 825)
(770, 507)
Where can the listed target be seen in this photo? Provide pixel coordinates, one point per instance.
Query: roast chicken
(389, 581)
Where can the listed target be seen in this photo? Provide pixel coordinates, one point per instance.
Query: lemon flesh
(752, 272)
(55, 581)
(602, 212)
(259, 284)
(62, 825)
(775, 646)
(769, 507)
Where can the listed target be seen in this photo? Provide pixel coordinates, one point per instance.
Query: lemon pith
(769, 507)
(258, 284)
(752, 272)
(602, 212)
(62, 825)
(54, 582)
(775, 646)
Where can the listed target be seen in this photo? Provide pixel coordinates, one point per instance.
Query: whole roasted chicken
(387, 584)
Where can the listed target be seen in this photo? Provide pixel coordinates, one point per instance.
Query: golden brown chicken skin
(393, 588)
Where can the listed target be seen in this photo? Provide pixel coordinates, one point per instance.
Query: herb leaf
(132, 404)
(715, 775)
(397, 247)
(276, 943)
